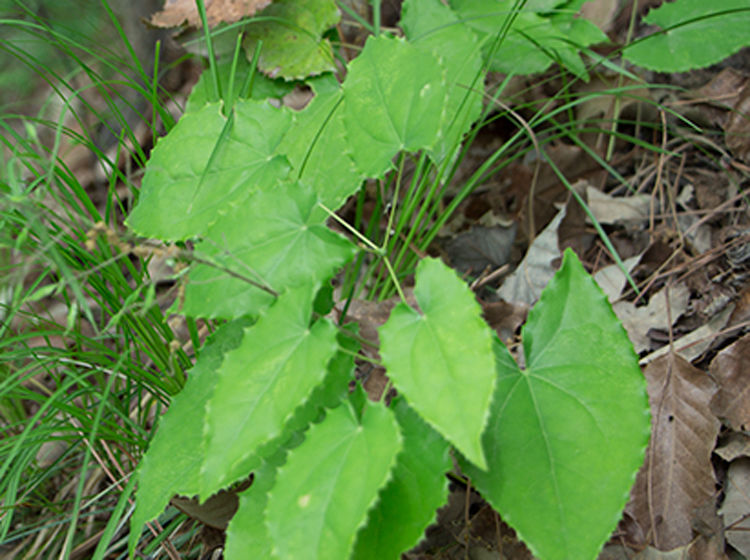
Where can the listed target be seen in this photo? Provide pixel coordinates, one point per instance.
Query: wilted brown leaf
(731, 370)
(677, 476)
(185, 12)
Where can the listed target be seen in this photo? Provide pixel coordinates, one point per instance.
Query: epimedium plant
(553, 444)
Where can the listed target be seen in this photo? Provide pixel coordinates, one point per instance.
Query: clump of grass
(88, 360)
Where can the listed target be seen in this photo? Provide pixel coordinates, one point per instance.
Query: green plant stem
(247, 87)
(217, 94)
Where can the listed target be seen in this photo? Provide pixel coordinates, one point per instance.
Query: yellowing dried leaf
(731, 368)
(677, 476)
(185, 12)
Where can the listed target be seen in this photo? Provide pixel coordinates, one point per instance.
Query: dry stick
(620, 79)
(498, 536)
(485, 279)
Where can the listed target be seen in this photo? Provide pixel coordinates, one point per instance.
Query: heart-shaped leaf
(721, 26)
(394, 98)
(409, 502)
(206, 164)
(261, 383)
(434, 27)
(317, 148)
(568, 433)
(291, 32)
(172, 463)
(276, 239)
(441, 358)
(324, 490)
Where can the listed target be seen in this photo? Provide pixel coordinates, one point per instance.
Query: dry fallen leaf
(638, 320)
(185, 12)
(602, 13)
(737, 128)
(736, 506)
(472, 251)
(535, 270)
(736, 445)
(677, 476)
(218, 510)
(611, 279)
(693, 344)
(609, 209)
(731, 368)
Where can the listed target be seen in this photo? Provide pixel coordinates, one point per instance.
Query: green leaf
(260, 384)
(441, 359)
(277, 239)
(263, 87)
(696, 34)
(172, 463)
(293, 47)
(432, 26)
(182, 195)
(409, 501)
(247, 536)
(522, 50)
(323, 492)
(567, 434)
(394, 98)
(317, 139)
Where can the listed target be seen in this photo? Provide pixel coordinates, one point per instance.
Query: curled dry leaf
(731, 368)
(693, 344)
(185, 12)
(677, 476)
